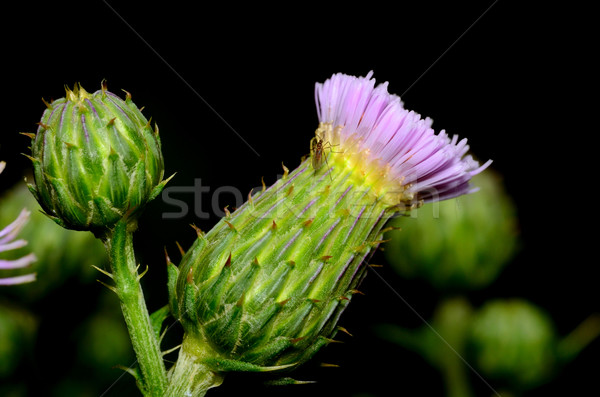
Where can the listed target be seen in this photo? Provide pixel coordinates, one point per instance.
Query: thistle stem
(190, 377)
(119, 244)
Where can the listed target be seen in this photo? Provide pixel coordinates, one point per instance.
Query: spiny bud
(269, 283)
(96, 160)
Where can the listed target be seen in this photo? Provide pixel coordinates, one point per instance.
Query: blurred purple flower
(8, 242)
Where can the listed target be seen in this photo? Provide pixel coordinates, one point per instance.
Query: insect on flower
(318, 145)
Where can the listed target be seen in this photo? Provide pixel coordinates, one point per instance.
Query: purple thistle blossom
(368, 121)
(8, 242)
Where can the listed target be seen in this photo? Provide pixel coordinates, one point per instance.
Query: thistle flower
(8, 242)
(96, 160)
(264, 289)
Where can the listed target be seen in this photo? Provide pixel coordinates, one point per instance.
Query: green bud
(461, 243)
(513, 341)
(264, 289)
(96, 160)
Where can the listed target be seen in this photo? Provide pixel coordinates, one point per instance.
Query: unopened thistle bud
(515, 342)
(96, 160)
(264, 289)
(457, 244)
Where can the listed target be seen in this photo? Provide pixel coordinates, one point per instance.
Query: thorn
(292, 263)
(314, 300)
(290, 190)
(190, 276)
(130, 371)
(274, 225)
(127, 95)
(44, 126)
(29, 134)
(344, 330)
(296, 340)
(325, 258)
(141, 109)
(264, 187)
(344, 212)
(255, 261)
(327, 365)
(240, 301)
(344, 298)
(148, 123)
(199, 232)
(230, 226)
(110, 287)
(48, 105)
(377, 242)
(282, 303)
(375, 266)
(228, 261)
(103, 86)
(155, 129)
(33, 159)
(227, 213)
(103, 271)
(285, 170)
(167, 256)
(355, 291)
(390, 228)
(250, 197)
(181, 250)
(143, 273)
(111, 122)
(329, 340)
(170, 350)
(307, 223)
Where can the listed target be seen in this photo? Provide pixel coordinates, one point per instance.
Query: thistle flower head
(96, 160)
(265, 288)
(9, 242)
(393, 149)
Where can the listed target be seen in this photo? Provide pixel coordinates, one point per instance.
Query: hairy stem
(119, 244)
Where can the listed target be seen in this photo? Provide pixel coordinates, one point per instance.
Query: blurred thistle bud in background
(264, 289)
(515, 343)
(457, 244)
(96, 160)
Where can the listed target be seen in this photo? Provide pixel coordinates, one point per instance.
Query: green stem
(579, 338)
(190, 377)
(119, 244)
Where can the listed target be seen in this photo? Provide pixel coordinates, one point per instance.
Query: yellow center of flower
(349, 154)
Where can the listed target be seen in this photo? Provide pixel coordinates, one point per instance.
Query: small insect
(317, 149)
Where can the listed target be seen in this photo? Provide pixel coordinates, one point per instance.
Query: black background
(515, 84)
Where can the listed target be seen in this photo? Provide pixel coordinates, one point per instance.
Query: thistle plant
(264, 289)
(97, 162)
(8, 243)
